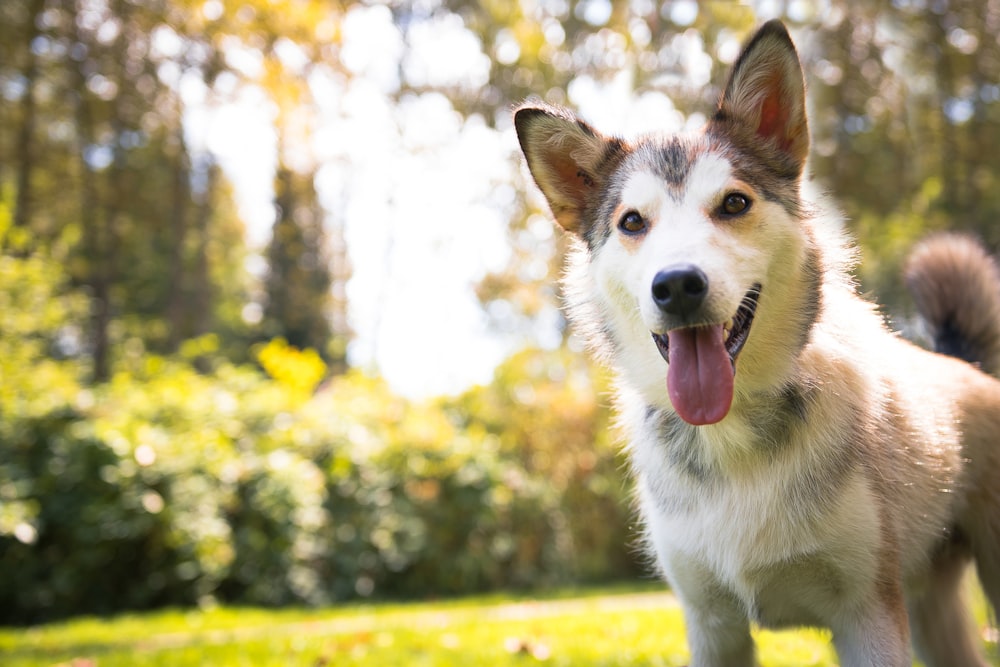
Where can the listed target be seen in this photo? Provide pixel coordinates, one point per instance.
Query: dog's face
(685, 236)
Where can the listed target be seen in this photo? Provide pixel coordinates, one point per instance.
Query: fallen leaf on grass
(536, 649)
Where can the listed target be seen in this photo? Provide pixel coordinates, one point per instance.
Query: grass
(606, 627)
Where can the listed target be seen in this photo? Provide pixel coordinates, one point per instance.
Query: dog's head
(685, 235)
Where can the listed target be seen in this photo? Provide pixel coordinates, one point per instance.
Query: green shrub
(89, 544)
(170, 487)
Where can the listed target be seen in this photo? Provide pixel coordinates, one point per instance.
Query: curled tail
(956, 286)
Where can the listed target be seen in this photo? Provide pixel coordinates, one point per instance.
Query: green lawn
(584, 629)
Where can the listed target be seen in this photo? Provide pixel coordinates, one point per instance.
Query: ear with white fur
(565, 157)
(766, 96)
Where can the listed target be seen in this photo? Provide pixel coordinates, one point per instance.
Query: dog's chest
(801, 591)
(788, 562)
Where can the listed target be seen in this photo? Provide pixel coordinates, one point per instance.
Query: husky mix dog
(796, 462)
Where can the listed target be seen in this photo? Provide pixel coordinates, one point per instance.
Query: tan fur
(853, 478)
(567, 160)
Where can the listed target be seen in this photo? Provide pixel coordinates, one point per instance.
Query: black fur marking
(795, 399)
(669, 502)
(776, 419)
(953, 543)
(584, 127)
(812, 271)
(680, 440)
(672, 162)
(823, 480)
(651, 413)
(950, 339)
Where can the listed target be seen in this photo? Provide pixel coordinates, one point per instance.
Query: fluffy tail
(956, 286)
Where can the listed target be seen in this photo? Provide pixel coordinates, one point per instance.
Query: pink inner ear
(774, 120)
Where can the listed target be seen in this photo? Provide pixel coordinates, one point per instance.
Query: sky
(421, 191)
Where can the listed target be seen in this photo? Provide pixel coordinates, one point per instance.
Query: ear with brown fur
(565, 156)
(765, 98)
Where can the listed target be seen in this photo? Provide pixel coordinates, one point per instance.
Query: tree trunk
(96, 232)
(177, 305)
(25, 154)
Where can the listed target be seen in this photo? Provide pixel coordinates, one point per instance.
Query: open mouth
(701, 363)
(736, 330)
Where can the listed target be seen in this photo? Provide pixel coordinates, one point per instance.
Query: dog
(795, 461)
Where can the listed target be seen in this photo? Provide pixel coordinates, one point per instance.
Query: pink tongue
(700, 375)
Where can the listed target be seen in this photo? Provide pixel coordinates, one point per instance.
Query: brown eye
(632, 223)
(735, 203)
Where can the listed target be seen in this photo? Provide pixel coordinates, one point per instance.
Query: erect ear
(766, 95)
(565, 156)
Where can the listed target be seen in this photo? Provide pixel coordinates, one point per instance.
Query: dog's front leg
(872, 644)
(878, 635)
(719, 636)
(718, 631)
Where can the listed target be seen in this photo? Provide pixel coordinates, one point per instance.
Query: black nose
(680, 290)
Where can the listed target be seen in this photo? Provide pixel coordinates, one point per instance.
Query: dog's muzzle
(701, 357)
(736, 330)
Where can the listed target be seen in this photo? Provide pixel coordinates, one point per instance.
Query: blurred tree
(113, 175)
(298, 281)
(303, 273)
(25, 152)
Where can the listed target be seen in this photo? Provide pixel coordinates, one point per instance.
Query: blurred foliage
(298, 370)
(171, 486)
(38, 326)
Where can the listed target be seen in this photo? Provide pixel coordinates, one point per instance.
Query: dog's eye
(632, 223)
(735, 203)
